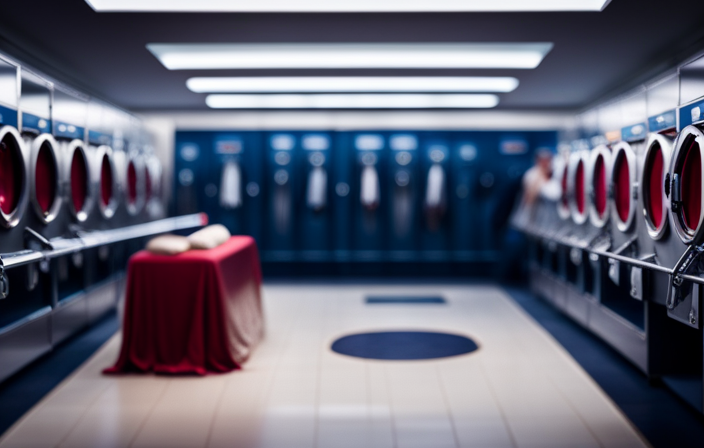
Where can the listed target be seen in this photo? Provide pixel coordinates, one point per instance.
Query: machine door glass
(657, 157)
(13, 182)
(45, 171)
(80, 182)
(623, 182)
(686, 184)
(598, 206)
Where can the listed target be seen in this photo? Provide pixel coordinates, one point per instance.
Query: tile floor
(520, 389)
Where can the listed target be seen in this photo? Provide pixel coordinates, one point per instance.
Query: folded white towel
(168, 245)
(209, 237)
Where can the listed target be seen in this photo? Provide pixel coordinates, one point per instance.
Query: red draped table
(196, 312)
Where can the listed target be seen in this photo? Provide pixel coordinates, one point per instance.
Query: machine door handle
(231, 186)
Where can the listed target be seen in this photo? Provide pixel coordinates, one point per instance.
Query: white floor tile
(520, 389)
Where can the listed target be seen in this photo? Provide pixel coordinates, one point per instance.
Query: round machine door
(13, 177)
(576, 186)
(623, 186)
(135, 185)
(107, 184)
(685, 190)
(46, 178)
(598, 186)
(79, 181)
(562, 174)
(655, 167)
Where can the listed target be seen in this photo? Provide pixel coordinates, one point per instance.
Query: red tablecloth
(196, 312)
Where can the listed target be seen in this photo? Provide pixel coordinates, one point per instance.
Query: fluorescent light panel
(351, 101)
(337, 56)
(344, 5)
(274, 84)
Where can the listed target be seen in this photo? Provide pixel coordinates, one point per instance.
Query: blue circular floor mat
(399, 345)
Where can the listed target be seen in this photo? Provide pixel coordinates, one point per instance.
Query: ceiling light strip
(354, 56)
(274, 84)
(345, 5)
(352, 101)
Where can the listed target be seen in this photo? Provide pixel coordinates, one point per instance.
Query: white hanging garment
(316, 196)
(369, 191)
(231, 186)
(436, 186)
(435, 196)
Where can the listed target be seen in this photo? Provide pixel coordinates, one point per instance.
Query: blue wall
(466, 233)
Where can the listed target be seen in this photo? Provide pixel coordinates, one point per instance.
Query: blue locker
(464, 225)
(281, 193)
(404, 186)
(435, 158)
(370, 196)
(315, 192)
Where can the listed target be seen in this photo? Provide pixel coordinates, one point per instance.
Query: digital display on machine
(692, 81)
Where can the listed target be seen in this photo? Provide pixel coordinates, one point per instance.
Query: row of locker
(392, 196)
(619, 250)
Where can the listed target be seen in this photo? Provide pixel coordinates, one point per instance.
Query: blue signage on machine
(8, 116)
(99, 138)
(69, 131)
(635, 132)
(691, 114)
(664, 121)
(35, 123)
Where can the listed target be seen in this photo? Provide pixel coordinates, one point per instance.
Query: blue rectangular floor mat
(405, 300)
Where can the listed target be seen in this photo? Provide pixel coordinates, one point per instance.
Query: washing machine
(577, 235)
(25, 295)
(69, 119)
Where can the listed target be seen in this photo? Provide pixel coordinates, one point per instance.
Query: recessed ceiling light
(344, 5)
(352, 101)
(327, 56)
(341, 84)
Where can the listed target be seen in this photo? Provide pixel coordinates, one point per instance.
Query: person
(538, 184)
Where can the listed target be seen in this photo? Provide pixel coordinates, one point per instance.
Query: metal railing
(91, 239)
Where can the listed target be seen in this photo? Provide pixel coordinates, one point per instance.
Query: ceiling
(595, 53)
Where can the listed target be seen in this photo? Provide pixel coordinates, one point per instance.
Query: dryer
(25, 294)
(69, 118)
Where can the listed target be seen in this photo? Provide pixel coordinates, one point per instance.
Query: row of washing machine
(620, 250)
(71, 167)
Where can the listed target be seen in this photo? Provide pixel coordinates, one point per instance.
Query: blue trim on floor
(664, 419)
(404, 300)
(27, 387)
